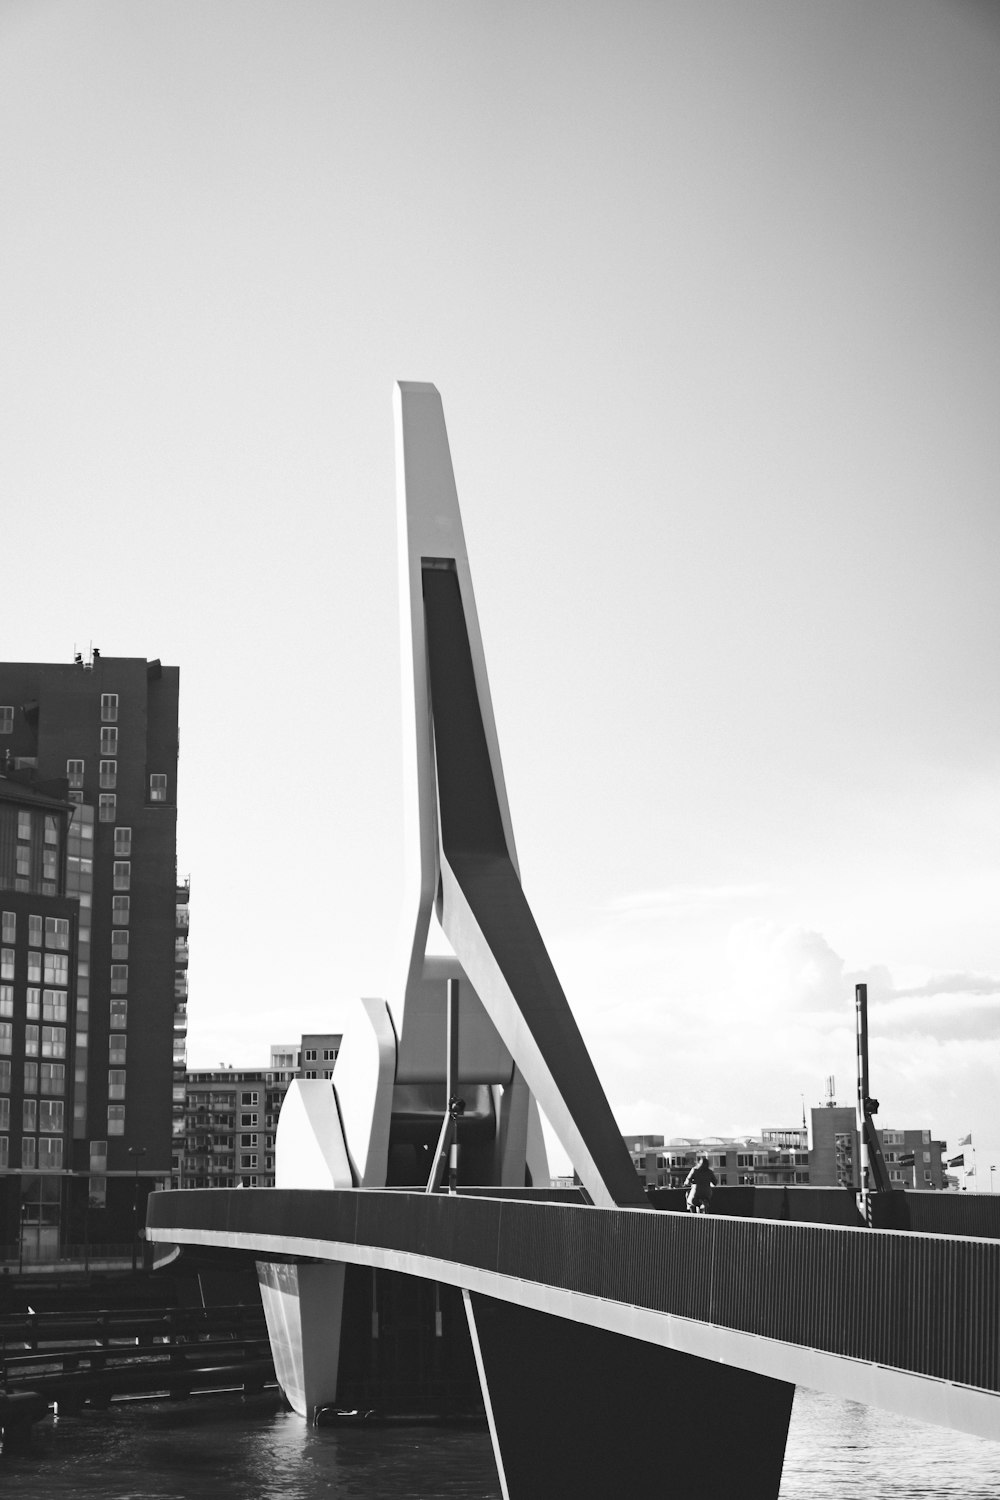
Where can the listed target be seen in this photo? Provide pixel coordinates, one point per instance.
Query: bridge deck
(908, 1321)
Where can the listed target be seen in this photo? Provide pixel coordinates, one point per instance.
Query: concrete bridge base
(303, 1307)
(576, 1410)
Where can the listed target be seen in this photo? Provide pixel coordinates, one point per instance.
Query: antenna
(831, 1092)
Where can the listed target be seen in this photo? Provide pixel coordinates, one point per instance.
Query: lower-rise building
(823, 1154)
(226, 1132)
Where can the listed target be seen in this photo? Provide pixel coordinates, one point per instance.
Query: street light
(20, 1238)
(138, 1152)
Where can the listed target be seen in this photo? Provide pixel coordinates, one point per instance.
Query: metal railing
(918, 1302)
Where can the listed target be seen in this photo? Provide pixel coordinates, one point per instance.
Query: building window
(74, 774)
(33, 1006)
(29, 1115)
(30, 1041)
(31, 1078)
(109, 708)
(54, 1006)
(5, 1076)
(29, 1152)
(247, 1120)
(51, 1117)
(4, 1114)
(119, 1015)
(123, 841)
(53, 1078)
(57, 933)
(53, 1041)
(109, 774)
(6, 718)
(34, 932)
(330, 1055)
(122, 875)
(157, 787)
(57, 968)
(119, 942)
(8, 932)
(50, 1153)
(34, 967)
(4, 1151)
(119, 911)
(107, 806)
(116, 1083)
(116, 1051)
(109, 742)
(116, 1119)
(250, 1098)
(6, 1000)
(119, 979)
(6, 963)
(6, 1037)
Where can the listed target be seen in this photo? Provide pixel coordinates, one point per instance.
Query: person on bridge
(699, 1182)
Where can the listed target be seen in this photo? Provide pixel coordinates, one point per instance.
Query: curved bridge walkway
(910, 1322)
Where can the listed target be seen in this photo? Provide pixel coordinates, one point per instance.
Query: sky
(711, 295)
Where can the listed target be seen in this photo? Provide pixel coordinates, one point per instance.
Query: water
(228, 1448)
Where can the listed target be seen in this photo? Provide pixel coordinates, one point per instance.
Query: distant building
(912, 1158)
(231, 1115)
(825, 1154)
(775, 1157)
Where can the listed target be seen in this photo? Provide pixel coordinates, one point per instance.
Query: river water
(225, 1447)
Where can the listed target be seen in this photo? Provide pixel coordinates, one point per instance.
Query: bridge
(585, 1312)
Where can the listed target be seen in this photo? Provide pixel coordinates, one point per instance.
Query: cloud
(954, 984)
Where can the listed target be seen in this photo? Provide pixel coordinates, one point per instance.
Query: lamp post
(137, 1152)
(20, 1238)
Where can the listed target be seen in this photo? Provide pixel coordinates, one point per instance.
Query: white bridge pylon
(519, 1045)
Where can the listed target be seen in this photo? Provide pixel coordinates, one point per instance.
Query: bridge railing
(917, 1302)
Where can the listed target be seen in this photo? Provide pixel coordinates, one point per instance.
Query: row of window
(42, 1005)
(107, 776)
(36, 1155)
(45, 1115)
(56, 930)
(55, 968)
(25, 823)
(51, 1038)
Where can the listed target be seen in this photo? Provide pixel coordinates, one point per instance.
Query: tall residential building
(100, 738)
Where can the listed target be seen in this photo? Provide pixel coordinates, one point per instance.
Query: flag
(956, 1161)
(971, 1172)
(966, 1140)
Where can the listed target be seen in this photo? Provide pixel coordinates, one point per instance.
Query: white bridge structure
(590, 1315)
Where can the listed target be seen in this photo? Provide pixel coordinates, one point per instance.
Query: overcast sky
(710, 292)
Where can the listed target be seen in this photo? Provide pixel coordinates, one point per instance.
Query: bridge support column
(576, 1410)
(303, 1306)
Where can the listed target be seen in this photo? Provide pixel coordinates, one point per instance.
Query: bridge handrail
(893, 1298)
